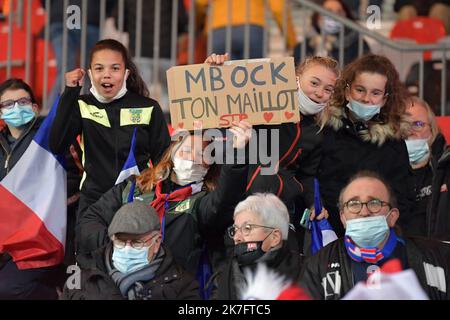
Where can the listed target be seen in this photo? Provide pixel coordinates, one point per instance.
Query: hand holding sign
(217, 59)
(259, 91)
(242, 132)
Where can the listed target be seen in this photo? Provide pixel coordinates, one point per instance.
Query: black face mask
(247, 253)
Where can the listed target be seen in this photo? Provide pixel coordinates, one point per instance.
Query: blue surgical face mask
(18, 115)
(418, 150)
(367, 232)
(363, 112)
(129, 259)
(307, 106)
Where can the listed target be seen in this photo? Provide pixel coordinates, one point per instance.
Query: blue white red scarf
(161, 201)
(371, 255)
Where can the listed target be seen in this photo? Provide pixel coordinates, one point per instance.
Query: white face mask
(187, 171)
(307, 106)
(102, 99)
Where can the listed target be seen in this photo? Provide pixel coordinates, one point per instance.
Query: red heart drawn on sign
(288, 114)
(181, 125)
(268, 116)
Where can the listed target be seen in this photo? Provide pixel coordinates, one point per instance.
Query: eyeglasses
(136, 244)
(418, 125)
(245, 229)
(9, 104)
(374, 205)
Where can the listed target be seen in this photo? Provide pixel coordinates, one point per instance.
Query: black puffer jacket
(347, 149)
(169, 283)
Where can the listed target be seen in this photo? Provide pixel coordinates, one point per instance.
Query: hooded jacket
(348, 148)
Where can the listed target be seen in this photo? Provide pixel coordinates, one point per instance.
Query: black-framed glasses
(245, 229)
(418, 125)
(374, 205)
(9, 104)
(136, 244)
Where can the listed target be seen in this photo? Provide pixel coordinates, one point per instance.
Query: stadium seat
(444, 124)
(423, 30)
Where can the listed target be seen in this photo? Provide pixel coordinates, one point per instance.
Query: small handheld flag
(321, 231)
(130, 167)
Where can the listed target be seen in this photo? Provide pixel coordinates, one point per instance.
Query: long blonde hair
(326, 62)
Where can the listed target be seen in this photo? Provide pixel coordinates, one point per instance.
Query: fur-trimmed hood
(378, 132)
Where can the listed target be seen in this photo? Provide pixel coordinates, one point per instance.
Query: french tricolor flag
(130, 167)
(321, 231)
(33, 208)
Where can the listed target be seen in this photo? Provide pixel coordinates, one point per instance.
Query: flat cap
(134, 218)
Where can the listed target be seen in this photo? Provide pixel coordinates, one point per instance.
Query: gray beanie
(134, 218)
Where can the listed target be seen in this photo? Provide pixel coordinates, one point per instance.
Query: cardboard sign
(259, 91)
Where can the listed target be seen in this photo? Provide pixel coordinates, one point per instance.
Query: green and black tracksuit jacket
(106, 131)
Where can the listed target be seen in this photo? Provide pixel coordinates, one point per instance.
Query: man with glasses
(430, 160)
(259, 232)
(134, 265)
(368, 211)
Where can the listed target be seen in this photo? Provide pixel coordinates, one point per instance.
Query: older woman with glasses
(430, 159)
(259, 232)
